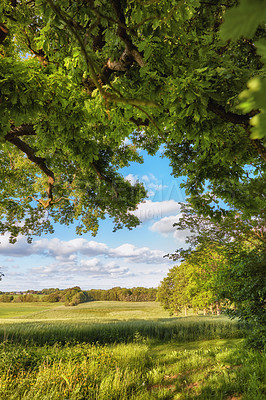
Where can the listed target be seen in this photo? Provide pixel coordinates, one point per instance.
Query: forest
(74, 296)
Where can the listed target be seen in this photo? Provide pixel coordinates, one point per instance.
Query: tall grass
(135, 371)
(180, 330)
(131, 359)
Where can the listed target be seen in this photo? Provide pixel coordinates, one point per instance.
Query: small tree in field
(173, 291)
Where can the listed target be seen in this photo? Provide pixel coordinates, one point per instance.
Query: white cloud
(149, 178)
(135, 254)
(182, 235)
(156, 186)
(152, 184)
(165, 225)
(150, 210)
(95, 267)
(92, 267)
(133, 179)
(19, 249)
(3, 268)
(49, 270)
(53, 247)
(67, 253)
(145, 178)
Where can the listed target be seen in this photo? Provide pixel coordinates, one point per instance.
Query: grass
(92, 311)
(217, 369)
(17, 310)
(119, 357)
(178, 330)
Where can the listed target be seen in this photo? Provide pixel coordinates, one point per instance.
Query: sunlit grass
(177, 330)
(125, 351)
(17, 310)
(214, 369)
(96, 310)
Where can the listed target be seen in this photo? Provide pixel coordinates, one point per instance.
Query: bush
(5, 298)
(26, 298)
(52, 297)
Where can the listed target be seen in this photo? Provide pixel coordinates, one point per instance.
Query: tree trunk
(218, 310)
(185, 309)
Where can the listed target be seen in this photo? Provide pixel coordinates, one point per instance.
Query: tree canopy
(79, 78)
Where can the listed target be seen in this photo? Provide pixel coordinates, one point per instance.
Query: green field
(117, 350)
(92, 311)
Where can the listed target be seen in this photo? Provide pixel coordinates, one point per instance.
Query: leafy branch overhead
(78, 79)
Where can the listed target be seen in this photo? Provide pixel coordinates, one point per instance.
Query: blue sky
(123, 258)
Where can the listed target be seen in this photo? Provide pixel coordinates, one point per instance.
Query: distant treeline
(124, 294)
(74, 296)
(70, 297)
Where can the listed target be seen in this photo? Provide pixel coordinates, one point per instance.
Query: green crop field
(18, 310)
(92, 311)
(117, 350)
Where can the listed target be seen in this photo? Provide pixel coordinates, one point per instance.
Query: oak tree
(79, 78)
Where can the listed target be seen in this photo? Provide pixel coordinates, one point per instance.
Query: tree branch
(104, 178)
(239, 119)
(39, 54)
(3, 32)
(122, 33)
(125, 61)
(228, 116)
(69, 23)
(13, 138)
(23, 130)
(259, 147)
(139, 121)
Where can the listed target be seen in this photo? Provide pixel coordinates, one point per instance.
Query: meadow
(118, 350)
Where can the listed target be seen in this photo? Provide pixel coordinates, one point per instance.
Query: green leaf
(244, 19)
(261, 49)
(76, 52)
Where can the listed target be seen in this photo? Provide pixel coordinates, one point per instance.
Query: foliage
(193, 282)
(245, 272)
(78, 78)
(74, 296)
(123, 294)
(245, 20)
(71, 296)
(237, 245)
(241, 284)
(5, 298)
(233, 229)
(173, 290)
(52, 297)
(25, 298)
(48, 291)
(139, 371)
